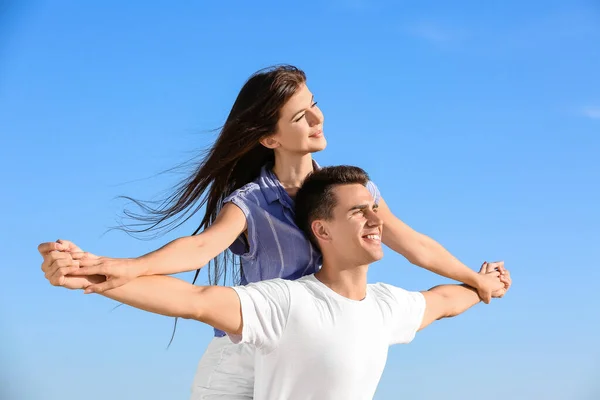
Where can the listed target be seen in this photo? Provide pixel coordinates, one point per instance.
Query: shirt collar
(272, 188)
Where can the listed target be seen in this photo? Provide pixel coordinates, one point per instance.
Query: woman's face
(300, 126)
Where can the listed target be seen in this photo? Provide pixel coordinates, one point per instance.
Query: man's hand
(504, 277)
(59, 245)
(489, 283)
(58, 264)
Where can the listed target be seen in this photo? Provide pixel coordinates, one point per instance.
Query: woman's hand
(117, 271)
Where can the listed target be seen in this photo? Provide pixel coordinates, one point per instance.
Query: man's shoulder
(385, 291)
(276, 282)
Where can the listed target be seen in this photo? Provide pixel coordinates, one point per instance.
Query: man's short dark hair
(316, 200)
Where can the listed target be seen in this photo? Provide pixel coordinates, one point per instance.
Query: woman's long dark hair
(234, 160)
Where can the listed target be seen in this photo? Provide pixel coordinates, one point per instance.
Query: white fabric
(313, 343)
(225, 372)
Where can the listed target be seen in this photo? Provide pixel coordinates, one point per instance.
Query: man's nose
(374, 219)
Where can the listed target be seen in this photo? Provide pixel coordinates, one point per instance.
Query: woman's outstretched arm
(184, 254)
(425, 252)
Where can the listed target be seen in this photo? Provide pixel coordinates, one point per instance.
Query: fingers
(497, 265)
(102, 287)
(506, 279)
(52, 257)
(66, 267)
(91, 270)
(55, 265)
(66, 245)
(90, 266)
(59, 245)
(492, 268)
(483, 268)
(81, 255)
(47, 247)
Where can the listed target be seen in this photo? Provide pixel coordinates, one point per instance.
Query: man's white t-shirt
(313, 343)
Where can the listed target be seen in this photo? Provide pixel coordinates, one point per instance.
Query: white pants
(225, 372)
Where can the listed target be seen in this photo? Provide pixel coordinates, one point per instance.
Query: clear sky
(479, 121)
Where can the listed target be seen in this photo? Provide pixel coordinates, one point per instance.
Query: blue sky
(479, 122)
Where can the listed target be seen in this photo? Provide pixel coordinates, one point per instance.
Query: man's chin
(378, 256)
(375, 256)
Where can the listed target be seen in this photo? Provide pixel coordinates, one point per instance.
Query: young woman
(247, 181)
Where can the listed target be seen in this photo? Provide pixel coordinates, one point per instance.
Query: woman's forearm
(438, 260)
(181, 255)
(422, 250)
(192, 252)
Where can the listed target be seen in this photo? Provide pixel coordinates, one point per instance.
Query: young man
(324, 336)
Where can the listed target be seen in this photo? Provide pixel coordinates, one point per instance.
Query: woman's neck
(292, 170)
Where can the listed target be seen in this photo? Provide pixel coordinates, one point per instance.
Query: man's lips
(374, 237)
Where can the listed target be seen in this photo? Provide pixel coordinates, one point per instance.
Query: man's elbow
(446, 306)
(451, 311)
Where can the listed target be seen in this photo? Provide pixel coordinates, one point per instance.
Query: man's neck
(350, 282)
(292, 169)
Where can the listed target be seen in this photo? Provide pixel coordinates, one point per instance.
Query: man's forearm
(160, 295)
(458, 298)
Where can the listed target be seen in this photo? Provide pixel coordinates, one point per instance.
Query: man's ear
(320, 230)
(270, 142)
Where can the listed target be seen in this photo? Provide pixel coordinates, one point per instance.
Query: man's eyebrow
(359, 207)
(362, 207)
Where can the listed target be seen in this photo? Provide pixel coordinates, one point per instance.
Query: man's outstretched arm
(216, 306)
(447, 301)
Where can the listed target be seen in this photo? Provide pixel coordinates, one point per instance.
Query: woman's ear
(270, 142)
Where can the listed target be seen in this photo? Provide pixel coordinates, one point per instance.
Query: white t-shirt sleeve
(406, 314)
(265, 310)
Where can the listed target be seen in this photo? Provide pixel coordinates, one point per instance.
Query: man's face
(354, 231)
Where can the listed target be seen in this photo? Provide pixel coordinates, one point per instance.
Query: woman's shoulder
(249, 193)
